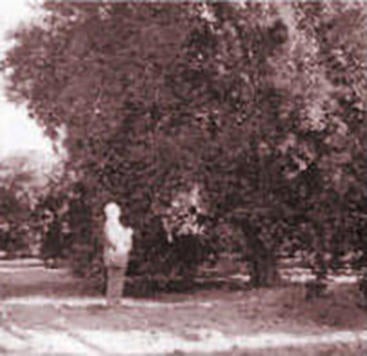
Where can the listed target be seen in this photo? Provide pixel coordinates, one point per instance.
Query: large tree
(238, 99)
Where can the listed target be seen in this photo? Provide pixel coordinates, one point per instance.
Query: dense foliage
(260, 106)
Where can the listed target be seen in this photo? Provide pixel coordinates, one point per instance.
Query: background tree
(24, 177)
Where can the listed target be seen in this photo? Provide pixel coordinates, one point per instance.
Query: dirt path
(47, 312)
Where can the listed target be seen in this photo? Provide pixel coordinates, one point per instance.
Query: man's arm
(110, 244)
(107, 240)
(129, 241)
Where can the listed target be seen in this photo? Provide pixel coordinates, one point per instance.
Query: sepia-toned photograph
(183, 178)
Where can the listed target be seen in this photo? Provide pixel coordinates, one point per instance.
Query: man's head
(112, 210)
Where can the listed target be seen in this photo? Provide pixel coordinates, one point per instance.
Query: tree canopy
(263, 106)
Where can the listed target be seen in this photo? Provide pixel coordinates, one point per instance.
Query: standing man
(118, 244)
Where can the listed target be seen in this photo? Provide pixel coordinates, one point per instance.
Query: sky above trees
(17, 132)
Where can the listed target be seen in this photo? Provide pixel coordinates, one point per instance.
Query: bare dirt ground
(49, 312)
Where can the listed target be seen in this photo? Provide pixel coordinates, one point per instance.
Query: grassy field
(214, 320)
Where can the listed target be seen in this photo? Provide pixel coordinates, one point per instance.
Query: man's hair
(112, 209)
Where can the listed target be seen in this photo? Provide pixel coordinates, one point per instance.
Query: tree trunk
(261, 259)
(263, 269)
